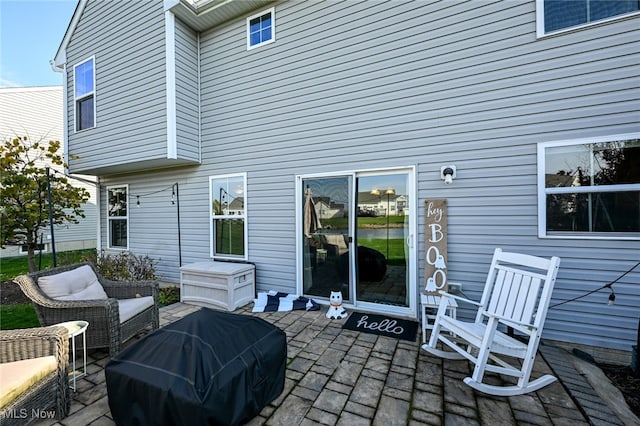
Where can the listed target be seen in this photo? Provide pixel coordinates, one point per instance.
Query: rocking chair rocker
(516, 295)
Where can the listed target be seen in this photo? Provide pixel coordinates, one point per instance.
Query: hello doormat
(382, 325)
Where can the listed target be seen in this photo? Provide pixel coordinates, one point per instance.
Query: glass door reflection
(326, 240)
(381, 234)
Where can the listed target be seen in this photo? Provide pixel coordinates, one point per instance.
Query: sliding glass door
(357, 238)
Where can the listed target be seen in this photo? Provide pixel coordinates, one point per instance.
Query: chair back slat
(515, 293)
(514, 296)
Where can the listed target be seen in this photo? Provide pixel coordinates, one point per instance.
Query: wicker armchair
(50, 391)
(105, 329)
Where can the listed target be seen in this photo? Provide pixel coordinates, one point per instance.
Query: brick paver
(342, 377)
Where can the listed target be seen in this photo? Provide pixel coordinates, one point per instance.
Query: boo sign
(435, 266)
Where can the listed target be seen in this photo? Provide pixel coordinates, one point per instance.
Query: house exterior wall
(361, 86)
(130, 85)
(187, 92)
(37, 112)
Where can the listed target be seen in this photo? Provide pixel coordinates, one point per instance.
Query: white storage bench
(213, 284)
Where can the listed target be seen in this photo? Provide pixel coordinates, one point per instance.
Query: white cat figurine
(336, 311)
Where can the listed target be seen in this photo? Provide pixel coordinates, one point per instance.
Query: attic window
(557, 15)
(261, 29)
(84, 94)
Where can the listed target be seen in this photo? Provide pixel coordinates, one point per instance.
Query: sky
(30, 33)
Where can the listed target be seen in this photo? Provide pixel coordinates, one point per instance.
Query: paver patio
(342, 377)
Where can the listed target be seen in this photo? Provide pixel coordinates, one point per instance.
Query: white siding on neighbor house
(130, 92)
(364, 85)
(37, 112)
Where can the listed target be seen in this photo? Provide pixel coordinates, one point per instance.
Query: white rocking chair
(516, 295)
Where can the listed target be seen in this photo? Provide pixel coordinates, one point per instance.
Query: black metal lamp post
(389, 192)
(50, 208)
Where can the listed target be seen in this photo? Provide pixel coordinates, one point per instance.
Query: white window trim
(244, 217)
(109, 218)
(540, 33)
(272, 11)
(92, 93)
(412, 239)
(543, 191)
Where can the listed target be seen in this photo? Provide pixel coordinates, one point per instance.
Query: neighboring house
(262, 100)
(37, 112)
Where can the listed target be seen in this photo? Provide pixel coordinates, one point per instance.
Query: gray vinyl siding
(154, 224)
(130, 98)
(187, 92)
(351, 86)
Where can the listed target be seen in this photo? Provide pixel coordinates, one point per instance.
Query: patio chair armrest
(509, 321)
(37, 342)
(100, 313)
(444, 295)
(39, 298)
(130, 289)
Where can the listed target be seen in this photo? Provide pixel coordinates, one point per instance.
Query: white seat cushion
(18, 376)
(78, 284)
(131, 307)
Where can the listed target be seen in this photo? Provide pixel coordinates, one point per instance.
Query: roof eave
(204, 15)
(60, 59)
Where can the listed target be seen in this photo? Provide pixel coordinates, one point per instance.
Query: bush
(168, 296)
(124, 266)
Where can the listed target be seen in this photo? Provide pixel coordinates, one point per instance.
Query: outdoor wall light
(448, 173)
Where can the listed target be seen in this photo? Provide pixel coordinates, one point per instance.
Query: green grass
(230, 237)
(396, 249)
(364, 222)
(18, 316)
(11, 267)
(24, 316)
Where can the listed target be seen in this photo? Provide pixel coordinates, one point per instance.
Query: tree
(24, 206)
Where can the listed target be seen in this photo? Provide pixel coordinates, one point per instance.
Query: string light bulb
(137, 201)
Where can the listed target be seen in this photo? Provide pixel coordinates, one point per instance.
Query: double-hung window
(557, 15)
(590, 188)
(84, 94)
(261, 29)
(228, 216)
(118, 216)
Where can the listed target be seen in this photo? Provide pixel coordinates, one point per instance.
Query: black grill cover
(210, 367)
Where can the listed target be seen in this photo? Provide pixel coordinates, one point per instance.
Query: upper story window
(261, 28)
(84, 94)
(556, 15)
(228, 216)
(590, 188)
(118, 216)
